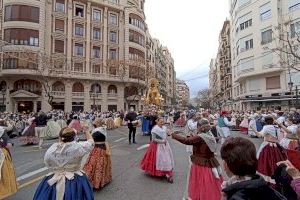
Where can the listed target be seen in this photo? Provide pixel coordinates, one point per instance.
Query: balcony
(58, 93)
(112, 96)
(78, 94)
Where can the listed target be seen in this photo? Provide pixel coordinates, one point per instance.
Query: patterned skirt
(8, 183)
(29, 136)
(98, 168)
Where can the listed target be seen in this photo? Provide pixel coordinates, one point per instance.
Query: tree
(130, 69)
(40, 62)
(285, 44)
(203, 99)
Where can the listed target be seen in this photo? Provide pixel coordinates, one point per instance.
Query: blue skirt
(77, 189)
(145, 125)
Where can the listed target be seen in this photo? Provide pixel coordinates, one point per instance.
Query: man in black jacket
(131, 119)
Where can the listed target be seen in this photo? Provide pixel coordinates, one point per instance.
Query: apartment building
(261, 79)
(183, 94)
(220, 71)
(165, 73)
(90, 54)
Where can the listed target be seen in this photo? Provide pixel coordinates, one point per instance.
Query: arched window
(77, 87)
(96, 88)
(3, 85)
(28, 85)
(112, 89)
(58, 87)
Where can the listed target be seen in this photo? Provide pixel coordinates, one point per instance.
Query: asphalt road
(129, 181)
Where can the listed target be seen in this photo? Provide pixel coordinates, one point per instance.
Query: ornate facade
(76, 54)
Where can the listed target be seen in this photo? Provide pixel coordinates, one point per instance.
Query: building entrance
(25, 106)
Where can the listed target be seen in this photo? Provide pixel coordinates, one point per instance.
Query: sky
(190, 29)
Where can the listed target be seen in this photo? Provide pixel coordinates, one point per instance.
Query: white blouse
(67, 156)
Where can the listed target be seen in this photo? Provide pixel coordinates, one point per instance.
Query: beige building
(182, 93)
(260, 79)
(165, 73)
(220, 74)
(82, 54)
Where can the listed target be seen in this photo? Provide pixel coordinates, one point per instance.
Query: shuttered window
(59, 25)
(273, 82)
(59, 46)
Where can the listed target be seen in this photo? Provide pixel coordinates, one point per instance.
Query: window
(96, 52)
(113, 19)
(246, 24)
(96, 69)
(294, 5)
(266, 36)
(113, 54)
(59, 46)
(96, 34)
(22, 13)
(267, 59)
(78, 49)
(295, 29)
(59, 25)
(114, 1)
(18, 36)
(135, 54)
(136, 21)
(273, 82)
(79, 11)
(249, 44)
(246, 64)
(78, 67)
(243, 2)
(265, 11)
(78, 29)
(60, 6)
(136, 38)
(113, 36)
(97, 15)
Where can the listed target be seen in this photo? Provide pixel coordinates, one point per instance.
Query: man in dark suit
(131, 119)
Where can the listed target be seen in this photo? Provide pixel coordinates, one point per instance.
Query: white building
(260, 79)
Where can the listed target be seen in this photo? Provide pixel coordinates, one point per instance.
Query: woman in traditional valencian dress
(98, 165)
(110, 123)
(67, 181)
(181, 121)
(270, 151)
(75, 124)
(28, 135)
(290, 140)
(8, 183)
(158, 159)
(205, 175)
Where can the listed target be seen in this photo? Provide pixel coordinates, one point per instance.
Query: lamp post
(3, 92)
(291, 84)
(94, 95)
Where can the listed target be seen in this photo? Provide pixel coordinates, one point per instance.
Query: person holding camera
(132, 122)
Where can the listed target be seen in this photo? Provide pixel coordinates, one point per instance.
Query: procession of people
(80, 165)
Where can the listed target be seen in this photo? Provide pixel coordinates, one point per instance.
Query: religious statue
(153, 97)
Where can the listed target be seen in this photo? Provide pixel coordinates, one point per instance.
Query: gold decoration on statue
(152, 96)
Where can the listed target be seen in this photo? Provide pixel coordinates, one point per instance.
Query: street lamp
(94, 95)
(3, 92)
(291, 84)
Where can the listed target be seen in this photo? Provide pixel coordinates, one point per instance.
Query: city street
(129, 182)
